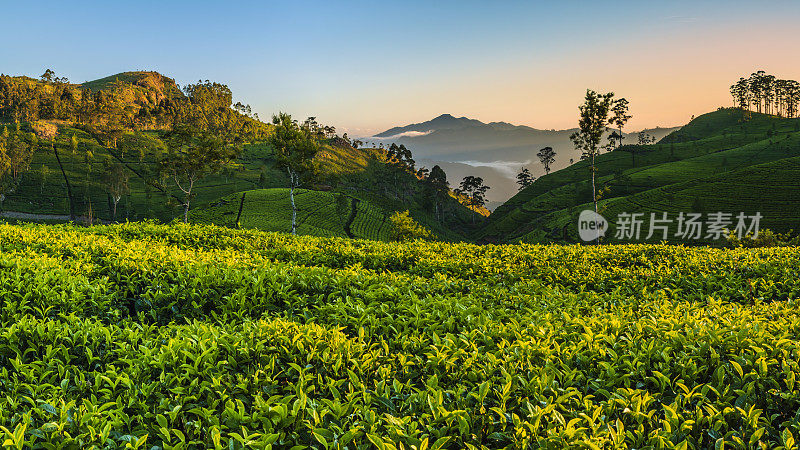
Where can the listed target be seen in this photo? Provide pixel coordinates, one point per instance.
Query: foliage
(200, 337)
(767, 94)
(474, 190)
(193, 154)
(546, 156)
(115, 180)
(295, 147)
(765, 238)
(404, 228)
(524, 178)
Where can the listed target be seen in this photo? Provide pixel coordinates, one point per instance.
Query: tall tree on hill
(524, 178)
(620, 117)
(295, 148)
(437, 186)
(592, 124)
(47, 132)
(115, 181)
(741, 93)
(475, 191)
(768, 88)
(4, 166)
(47, 76)
(546, 156)
(400, 163)
(192, 155)
(792, 92)
(19, 153)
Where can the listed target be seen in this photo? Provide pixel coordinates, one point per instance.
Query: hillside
(496, 151)
(721, 161)
(319, 213)
(125, 126)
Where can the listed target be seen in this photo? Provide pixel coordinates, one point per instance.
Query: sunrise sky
(367, 66)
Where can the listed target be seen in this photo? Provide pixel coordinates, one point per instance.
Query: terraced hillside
(720, 162)
(319, 213)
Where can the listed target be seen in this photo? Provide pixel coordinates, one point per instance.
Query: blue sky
(366, 66)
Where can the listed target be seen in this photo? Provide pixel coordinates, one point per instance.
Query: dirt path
(352, 217)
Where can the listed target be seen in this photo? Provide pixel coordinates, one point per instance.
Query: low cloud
(406, 134)
(507, 168)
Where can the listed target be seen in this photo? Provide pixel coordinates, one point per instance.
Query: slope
(717, 145)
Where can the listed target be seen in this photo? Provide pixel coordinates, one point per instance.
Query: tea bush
(178, 336)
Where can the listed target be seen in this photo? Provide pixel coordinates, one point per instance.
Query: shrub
(405, 228)
(766, 238)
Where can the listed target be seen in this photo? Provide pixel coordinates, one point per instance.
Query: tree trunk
(472, 206)
(186, 210)
(291, 198)
(66, 180)
(594, 193)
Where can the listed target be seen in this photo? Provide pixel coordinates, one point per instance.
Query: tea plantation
(187, 336)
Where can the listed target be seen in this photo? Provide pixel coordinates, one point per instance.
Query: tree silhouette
(475, 191)
(524, 178)
(619, 118)
(767, 94)
(592, 125)
(546, 156)
(436, 183)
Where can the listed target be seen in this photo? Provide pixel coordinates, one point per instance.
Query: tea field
(189, 336)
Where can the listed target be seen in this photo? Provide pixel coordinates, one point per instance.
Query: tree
(436, 184)
(645, 139)
(593, 123)
(19, 152)
(547, 156)
(115, 180)
(48, 132)
(191, 155)
(524, 178)
(620, 117)
(47, 76)
(295, 148)
(475, 191)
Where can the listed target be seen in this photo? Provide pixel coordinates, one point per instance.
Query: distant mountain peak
(439, 123)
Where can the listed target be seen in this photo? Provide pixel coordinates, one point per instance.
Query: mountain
(443, 122)
(726, 161)
(496, 150)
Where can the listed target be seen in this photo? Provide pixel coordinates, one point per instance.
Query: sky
(367, 66)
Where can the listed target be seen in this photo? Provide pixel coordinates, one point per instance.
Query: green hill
(151, 82)
(126, 121)
(728, 161)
